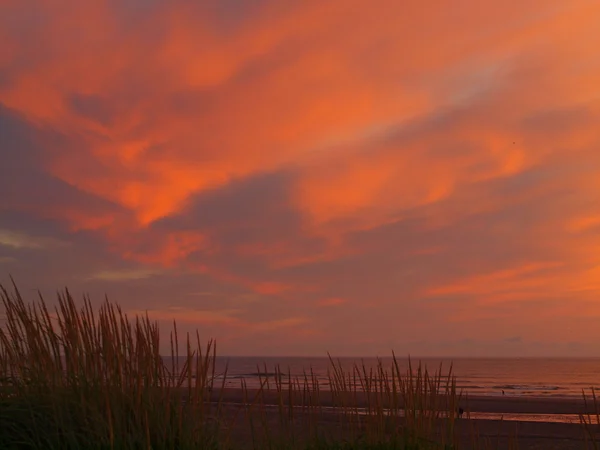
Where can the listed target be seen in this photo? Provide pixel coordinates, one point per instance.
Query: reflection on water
(554, 418)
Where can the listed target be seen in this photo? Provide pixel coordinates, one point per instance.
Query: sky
(303, 177)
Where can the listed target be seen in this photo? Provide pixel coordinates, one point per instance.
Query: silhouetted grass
(74, 378)
(591, 421)
(71, 378)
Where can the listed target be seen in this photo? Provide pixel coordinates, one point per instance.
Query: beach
(502, 433)
(486, 404)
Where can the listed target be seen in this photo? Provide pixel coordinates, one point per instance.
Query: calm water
(516, 377)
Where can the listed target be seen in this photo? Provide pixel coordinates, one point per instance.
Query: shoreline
(479, 404)
(529, 405)
(528, 435)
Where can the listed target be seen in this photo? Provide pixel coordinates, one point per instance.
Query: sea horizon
(547, 377)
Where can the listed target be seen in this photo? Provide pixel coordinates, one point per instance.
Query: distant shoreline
(484, 404)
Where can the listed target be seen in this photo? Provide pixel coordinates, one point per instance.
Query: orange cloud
(270, 288)
(169, 249)
(423, 151)
(316, 113)
(333, 301)
(511, 280)
(382, 185)
(580, 224)
(228, 317)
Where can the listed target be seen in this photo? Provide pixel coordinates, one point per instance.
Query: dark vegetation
(75, 378)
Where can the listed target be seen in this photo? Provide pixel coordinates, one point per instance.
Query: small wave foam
(263, 374)
(527, 387)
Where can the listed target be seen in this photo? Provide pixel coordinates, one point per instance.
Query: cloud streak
(18, 240)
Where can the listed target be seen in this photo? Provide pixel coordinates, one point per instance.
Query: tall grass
(72, 377)
(591, 421)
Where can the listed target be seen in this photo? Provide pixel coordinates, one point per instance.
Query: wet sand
(496, 404)
(498, 434)
(532, 405)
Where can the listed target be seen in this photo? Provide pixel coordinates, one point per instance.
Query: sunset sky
(296, 177)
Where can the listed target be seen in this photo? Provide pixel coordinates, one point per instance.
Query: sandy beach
(499, 434)
(488, 404)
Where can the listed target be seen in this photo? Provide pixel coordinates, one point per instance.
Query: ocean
(539, 377)
(512, 377)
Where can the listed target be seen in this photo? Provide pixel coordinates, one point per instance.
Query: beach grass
(591, 420)
(75, 378)
(72, 377)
